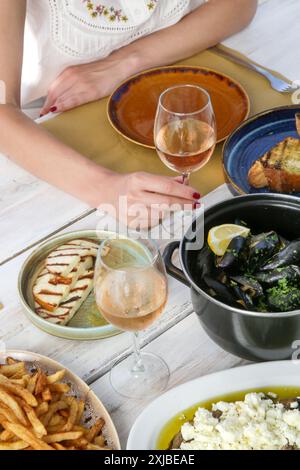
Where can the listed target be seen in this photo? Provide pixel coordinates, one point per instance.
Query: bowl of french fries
(44, 406)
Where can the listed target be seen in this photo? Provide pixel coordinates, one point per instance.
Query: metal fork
(276, 83)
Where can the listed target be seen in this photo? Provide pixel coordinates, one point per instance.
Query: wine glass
(185, 129)
(131, 291)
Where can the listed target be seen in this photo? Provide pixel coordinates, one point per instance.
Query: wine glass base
(140, 384)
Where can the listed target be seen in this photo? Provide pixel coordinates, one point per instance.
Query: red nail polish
(53, 109)
(196, 196)
(41, 115)
(196, 205)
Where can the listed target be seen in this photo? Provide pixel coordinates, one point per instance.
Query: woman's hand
(81, 84)
(142, 200)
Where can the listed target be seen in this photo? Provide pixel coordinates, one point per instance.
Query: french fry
(41, 382)
(80, 443)
(11, 360)
(95, 447)
(10, 370)
(32, 383)
(8, 414)
(6, 436)
(80, 411)
(42, 408)
(18, 390)
(56, 420)
(59, 388)
(57, 377)
(63, 436)
(46, 394)
(25, 435)
(18, 445)
(99, 441)
(72, 415)
(53, 408)
(58, 446)
(58, 428)
(95, 430)
(13, 405)
(22, 382)
(37, 425)
(64, 413)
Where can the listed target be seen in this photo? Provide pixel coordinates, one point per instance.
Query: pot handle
(171, 269)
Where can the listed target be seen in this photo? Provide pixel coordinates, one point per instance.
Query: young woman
(85, 48)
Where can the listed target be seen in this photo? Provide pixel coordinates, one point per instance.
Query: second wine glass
(185, 129)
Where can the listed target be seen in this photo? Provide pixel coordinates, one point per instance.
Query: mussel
(234, 254)
(261, 249)
(247, 284)
(243, 298)
(285, 257)
(220, 290)
(288, 273)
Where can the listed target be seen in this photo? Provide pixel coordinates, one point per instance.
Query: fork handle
(240, 61)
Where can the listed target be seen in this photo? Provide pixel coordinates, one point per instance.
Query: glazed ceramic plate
(94, 407)
(146, 430)
(252, 140)
(88, 323)
(132, 107)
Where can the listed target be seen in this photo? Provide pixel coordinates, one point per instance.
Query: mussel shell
(233, 254)
(205, 265)
(249, 285)
(289, 273)
(285, 257)
(261, 249)
(220, 290)
(243, 298)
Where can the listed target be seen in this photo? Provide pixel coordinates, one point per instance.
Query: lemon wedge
(220, 237)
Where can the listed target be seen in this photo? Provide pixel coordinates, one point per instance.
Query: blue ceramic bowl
(252, 140)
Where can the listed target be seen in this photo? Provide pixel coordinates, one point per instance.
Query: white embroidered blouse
(60, 33)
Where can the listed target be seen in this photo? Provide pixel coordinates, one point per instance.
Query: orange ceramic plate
(132, 106)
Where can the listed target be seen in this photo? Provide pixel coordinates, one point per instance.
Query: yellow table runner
(87, 129)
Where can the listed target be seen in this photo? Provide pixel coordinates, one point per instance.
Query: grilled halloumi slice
(66, 257)
(63, 314)
(49, 291)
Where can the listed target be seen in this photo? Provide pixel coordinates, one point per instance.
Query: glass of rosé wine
(185, 131)
(131, 291)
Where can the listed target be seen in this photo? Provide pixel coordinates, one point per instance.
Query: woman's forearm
(205, 27)
(43, 155)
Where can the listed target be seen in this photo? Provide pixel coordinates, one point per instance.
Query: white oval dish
(96, 409)
(146, 429)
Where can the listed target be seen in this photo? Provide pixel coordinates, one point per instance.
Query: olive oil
(174, 425)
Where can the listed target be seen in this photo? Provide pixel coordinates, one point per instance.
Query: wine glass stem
(138, 366)
(185, 178)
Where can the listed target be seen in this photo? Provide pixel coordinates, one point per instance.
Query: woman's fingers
(63, 83)
(168, 203)
(167, 186)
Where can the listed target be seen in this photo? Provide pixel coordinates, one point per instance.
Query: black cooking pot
(249, 335)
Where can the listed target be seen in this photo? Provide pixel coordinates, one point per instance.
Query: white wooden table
(32, 211)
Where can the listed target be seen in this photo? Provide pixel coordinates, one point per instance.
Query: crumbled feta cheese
(255, 423)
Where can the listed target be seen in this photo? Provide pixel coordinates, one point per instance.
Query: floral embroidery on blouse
(152, 4)
(109, 12)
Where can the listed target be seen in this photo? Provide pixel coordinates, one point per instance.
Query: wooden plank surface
(91, 358)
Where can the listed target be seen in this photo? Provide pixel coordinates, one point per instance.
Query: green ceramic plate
(88, 323)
